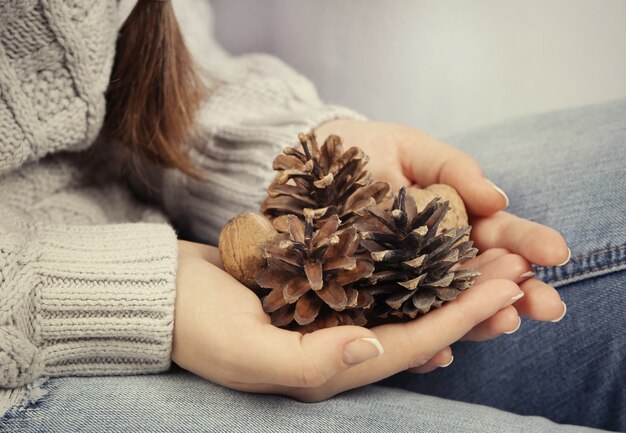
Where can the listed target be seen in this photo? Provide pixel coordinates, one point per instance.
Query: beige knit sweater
(87, 272)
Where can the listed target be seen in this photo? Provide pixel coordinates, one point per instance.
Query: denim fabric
(562, 169)
(565, 170)
(180, 402)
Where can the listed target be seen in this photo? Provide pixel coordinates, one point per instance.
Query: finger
(537, 243)
(412, 344)
(288, 358)
(482, 259)
(396, 179)
(505, 321)
(442, 359)
(435, 162)
(540, 302)
(454, 319)
(508, 266)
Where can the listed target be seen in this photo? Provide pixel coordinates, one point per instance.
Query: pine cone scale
(446, 293)
(274, 301)
(398, 299)
(327, 230)
(423, 301)
(313, 271)
(296, 230)
(282, 317)
(334, 295)
(443, 282)
(412, 283)
(295, 289)
(288, 162)
(342, 262)
(361, 271)
(307, 309)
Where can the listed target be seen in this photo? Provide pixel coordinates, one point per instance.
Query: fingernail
(516, 297)
(361, 350)
(449, 362)
(525, 276)
(519, 323)
(569, 256)
(562, 315)
(502, 193)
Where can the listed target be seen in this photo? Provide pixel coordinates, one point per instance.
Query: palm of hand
(405, 157)
(223, 334)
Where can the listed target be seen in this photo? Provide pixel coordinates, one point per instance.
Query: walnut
(456, 216)
(241, 246)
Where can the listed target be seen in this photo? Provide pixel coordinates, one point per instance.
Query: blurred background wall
(441, 65)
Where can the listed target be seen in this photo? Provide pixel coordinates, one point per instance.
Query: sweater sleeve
(256, 107)
(80, 293)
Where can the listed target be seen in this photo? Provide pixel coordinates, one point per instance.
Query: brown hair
(155, 90)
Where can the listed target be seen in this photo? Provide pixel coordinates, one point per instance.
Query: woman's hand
(403, 156)
(222, 333)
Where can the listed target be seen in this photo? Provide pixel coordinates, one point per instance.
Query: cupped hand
(403, 156)
(221, 333)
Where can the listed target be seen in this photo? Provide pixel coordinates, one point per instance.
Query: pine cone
(412, 262)
(310, 273)
(325, 179)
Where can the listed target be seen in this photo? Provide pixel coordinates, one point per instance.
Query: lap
(565, 170)
(570, 372)
(179, 401)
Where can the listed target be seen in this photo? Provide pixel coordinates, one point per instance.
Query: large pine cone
(412, 262)
(325, 179)
(311, 272)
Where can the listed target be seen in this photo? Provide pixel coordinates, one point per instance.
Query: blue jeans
(563, 169)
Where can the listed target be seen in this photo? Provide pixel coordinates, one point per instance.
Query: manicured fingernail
(502, 193)
(519, 323)
(516, 297)
(562, 315)
(361, 350)
(449, 362)
(525, 276)
(569, 256)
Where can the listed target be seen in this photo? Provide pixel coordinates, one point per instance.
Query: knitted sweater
(87, 270)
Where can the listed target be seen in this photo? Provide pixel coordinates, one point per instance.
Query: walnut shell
(456, 216)
(241, 246)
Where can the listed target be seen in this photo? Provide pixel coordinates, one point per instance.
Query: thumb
(322, 354)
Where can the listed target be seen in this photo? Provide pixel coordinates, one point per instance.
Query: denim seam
(580, 267)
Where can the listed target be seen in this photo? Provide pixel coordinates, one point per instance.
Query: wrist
(334, 126)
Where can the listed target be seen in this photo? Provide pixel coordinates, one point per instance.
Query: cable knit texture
(87, 272)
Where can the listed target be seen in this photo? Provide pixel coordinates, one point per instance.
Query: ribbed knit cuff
(327, 113)
(104, 302)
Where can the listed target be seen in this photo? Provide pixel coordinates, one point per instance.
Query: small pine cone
(412, 261)
(325, 179)
(310, 273)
